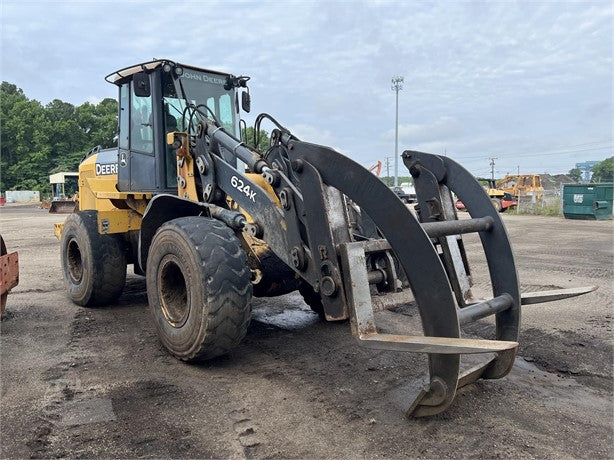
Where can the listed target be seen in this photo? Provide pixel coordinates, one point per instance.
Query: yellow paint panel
(123, 195)
(118, 221)
(187, 189)
(260, 181)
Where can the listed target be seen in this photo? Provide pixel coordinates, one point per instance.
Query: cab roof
(119, 75)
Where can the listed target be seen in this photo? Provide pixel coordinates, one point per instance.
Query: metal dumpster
(588, 201)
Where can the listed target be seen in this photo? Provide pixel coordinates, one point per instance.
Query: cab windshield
(200, 88)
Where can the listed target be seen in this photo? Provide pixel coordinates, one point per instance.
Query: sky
(526, 83)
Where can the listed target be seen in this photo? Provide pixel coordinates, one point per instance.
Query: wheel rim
(75, 261)
(173, 292)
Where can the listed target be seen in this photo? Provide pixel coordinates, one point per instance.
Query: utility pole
(387, 170)
(492, 168)
(518, 169)
(397, 85)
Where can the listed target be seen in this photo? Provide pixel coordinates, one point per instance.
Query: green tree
(389, 181)
(28, 130)
(603, 171)
(264, 142)
(575, 174)
(39, 140)
(10, 96)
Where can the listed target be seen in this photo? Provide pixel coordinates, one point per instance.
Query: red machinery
(377, 167)
(9, 274)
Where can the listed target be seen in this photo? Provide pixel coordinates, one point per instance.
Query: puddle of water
(521, 363)
(86, 411)
(290, 319)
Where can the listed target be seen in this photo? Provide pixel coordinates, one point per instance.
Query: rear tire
(94, 265)
(199, 288)
(496, 202)
(312, 298)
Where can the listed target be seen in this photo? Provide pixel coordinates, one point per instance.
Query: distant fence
(549, 203)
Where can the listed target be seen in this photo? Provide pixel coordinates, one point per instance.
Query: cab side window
(225, 115)
(141, 120)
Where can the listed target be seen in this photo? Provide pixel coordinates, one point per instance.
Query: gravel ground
(79, 382)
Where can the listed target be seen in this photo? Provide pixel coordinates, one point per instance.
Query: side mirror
(246, 101)
(141, 85)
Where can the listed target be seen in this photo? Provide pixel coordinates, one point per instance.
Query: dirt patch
(86, 383)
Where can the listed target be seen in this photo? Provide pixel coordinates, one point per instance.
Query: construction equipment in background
(500, 199)
(61, 203)
(403, 195)
(522, 185)
(9, 274)
(211, 221)
(376, 169)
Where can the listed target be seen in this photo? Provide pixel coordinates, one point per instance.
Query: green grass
(552, 210)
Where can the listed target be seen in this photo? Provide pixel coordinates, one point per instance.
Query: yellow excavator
(210, 221)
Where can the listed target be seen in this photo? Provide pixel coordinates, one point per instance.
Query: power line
(543, 153)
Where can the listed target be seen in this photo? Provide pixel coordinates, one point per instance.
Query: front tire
(94, 264)
(496, 202)
(199, 288)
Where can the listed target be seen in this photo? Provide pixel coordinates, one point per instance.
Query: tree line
(601, 172)
(38, 140)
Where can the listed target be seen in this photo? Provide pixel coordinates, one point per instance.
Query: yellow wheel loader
(211, 222)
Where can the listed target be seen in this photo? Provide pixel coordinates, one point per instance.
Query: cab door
(123, 166)
(136, 159)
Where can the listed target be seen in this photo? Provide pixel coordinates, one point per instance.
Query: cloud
(312, 134)
(479, 77)
(444, 128)
(95, 100)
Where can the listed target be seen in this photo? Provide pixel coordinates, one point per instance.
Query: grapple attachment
(351, 239)
(425, 253)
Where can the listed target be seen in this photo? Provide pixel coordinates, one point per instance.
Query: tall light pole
(397, 85)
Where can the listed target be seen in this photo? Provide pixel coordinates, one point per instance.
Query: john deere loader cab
(152, 102)
(208, 235)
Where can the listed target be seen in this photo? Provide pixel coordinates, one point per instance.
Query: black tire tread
(311, 298)
(227, 280)
(108, 253)
(497, 204)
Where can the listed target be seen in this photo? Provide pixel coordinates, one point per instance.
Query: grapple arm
(312, 232)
